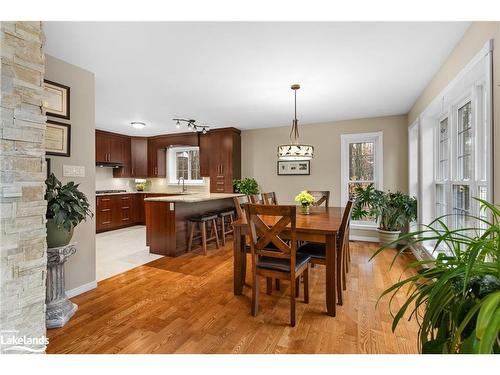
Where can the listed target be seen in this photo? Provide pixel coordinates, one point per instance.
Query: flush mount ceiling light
(137, 124)
(294, 150)
(190, 123)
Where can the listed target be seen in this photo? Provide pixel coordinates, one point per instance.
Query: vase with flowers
(306, 200)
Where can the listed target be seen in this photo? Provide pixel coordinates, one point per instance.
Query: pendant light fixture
(294, 150)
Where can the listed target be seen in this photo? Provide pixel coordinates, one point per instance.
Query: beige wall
(473, 40)
(259, 156)
(80, 268)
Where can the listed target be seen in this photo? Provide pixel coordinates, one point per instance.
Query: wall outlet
(73, 171)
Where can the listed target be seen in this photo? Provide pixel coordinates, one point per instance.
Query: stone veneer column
(23, 254)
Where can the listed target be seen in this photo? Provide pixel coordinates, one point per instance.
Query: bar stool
(225, 230)
(202, 221)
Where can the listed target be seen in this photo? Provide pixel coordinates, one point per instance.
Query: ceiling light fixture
(137, 124)
(191, 125)
(294, 150)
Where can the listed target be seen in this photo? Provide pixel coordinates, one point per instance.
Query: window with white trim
(413, 164)
(184, 162)
(362, 164)
(461, 159)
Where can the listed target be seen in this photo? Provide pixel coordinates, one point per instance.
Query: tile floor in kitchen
(120, 250)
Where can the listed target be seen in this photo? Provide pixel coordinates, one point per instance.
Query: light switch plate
(73, 171)
(172, 206)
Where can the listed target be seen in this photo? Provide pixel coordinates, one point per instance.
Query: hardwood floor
(186, 305)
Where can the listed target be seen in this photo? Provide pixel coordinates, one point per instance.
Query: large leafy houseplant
(247, 186)
(455, 297)
(393, 211)
(66, 208)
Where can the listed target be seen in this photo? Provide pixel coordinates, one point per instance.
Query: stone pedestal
(59, 308)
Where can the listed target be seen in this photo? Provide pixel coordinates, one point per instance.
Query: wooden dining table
(321, 226)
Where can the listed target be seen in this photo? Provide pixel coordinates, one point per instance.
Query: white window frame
(413, 163)
(474, 95)
(172, 167)
(378, 174)
(474, 81)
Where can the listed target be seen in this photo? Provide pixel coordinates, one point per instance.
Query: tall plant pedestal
(59, 308)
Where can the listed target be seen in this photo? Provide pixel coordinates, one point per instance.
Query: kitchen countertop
(142, 192)
(193, 198)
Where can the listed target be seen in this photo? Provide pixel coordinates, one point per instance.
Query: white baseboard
(81, 289)
(363, 238)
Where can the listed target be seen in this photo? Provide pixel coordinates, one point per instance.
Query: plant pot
(305, 209)
(386, 237)
(57, 237)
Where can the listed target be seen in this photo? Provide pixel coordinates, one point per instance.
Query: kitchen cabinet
(125, 165)
(115, 211)
(135, 158)
(157, 158)
(220, 158)
(139, 157)
(110, 147)
(103, 213)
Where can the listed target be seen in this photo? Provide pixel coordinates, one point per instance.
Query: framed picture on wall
(58, 139)
(56, 99)
(294, 168)
(47, 160)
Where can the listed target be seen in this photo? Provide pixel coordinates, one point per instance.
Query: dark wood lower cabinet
(116, 211)
(121, 210)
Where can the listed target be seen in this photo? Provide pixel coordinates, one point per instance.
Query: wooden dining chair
(280, 261)
(256, 199)
(320, 196)
(239, 205)
(270, 198)
(317, 251)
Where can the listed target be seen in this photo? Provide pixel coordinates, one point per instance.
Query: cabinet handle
(132, 171)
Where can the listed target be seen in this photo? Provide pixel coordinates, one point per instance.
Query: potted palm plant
(455, 296)
(66, 208)
(393, 211)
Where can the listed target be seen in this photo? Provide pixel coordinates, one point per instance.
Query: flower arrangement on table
(306, 200)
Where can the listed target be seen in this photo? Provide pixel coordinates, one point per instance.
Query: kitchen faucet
(184, 189)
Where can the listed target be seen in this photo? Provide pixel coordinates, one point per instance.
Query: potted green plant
(66, 208)
(455, 296)
(247, 186)
(393, 211)
(306, 200)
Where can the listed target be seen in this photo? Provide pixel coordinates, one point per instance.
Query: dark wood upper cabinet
(157, 158)
(220, 158)
(139, 157)
(101, 147)
(111, 147)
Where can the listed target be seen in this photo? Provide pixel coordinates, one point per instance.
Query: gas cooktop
(110, 191)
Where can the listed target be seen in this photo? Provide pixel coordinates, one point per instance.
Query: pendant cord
(294, 133)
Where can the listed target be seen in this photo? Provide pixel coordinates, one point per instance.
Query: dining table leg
(239, 261)
(331, 282)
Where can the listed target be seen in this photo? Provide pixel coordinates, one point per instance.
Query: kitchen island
(167, 219)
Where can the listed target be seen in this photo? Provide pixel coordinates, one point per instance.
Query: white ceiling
(239, 74)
